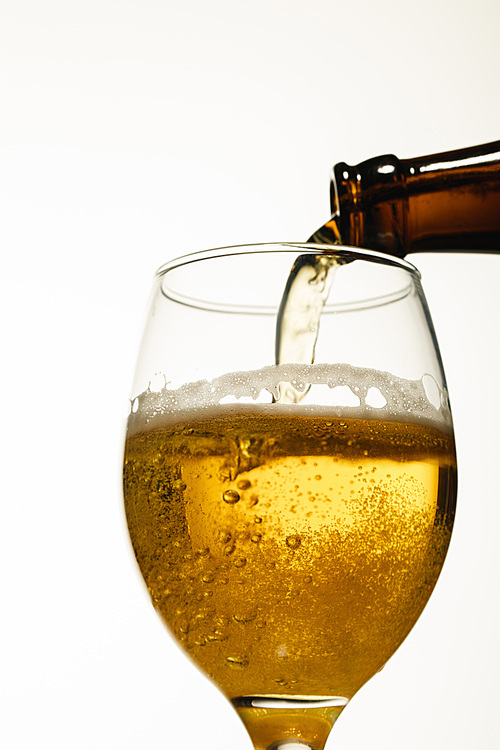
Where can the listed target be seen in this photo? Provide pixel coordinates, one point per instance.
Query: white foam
(337, 390)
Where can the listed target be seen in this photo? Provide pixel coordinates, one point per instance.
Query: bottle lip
(344, 252)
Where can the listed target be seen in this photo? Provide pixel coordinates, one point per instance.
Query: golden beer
(289, 554)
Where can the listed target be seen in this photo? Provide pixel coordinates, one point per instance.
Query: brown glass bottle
(441, 202)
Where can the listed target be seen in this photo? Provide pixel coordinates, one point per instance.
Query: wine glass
(289, 473)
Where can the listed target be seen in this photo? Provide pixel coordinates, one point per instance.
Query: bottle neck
(446, 201)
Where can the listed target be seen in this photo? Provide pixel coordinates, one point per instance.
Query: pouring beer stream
(441, 202)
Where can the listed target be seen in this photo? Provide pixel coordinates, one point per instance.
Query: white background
(132, 131)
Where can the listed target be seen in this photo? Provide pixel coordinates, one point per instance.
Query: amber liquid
(289, 555)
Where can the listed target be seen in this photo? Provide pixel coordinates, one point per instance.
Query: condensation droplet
(293, 541)
(208, 577)
(257, 519)
(179, 485)
(230, 496)
(244, 484)
(254, 499)
(256, 538)
(229, 549)
(240, 562)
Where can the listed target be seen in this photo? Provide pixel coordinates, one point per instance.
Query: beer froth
(337, 389)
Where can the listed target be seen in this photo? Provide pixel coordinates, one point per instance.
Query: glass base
(289, 723)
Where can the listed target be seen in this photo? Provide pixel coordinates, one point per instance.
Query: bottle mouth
(251, 279)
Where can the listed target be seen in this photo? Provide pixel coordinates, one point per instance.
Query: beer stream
(297, 326)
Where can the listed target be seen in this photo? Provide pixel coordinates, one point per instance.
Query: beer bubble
(208, 577)
(217, 635)
(307, 579)
(293, 541)
(200, 553)
(237, 662)
(230, 496)
(229, 549)
(257, 519)
(254, 499)
(240, 562)
(256, 538)
(244, 484)
(244, 617)
(224, 537)
(179, 485)
(281, 652)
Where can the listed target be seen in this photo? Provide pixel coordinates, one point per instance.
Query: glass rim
(355, 253)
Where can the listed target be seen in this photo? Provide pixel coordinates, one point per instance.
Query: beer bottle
(442, 202)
